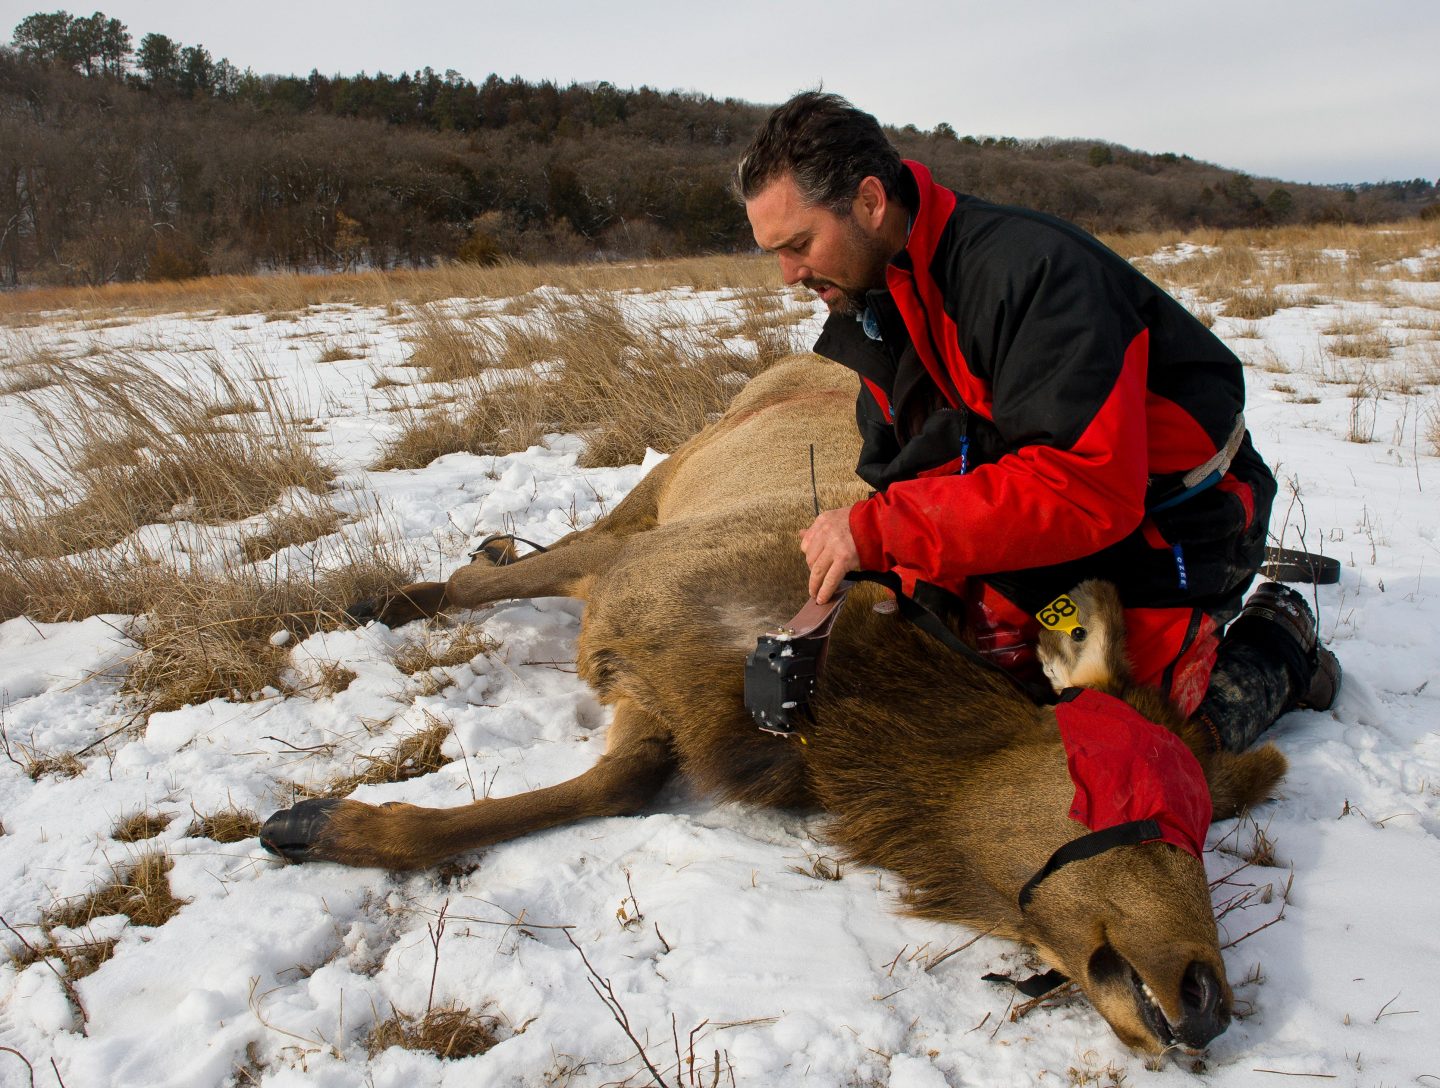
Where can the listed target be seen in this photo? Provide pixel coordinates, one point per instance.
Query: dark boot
(1269, 661)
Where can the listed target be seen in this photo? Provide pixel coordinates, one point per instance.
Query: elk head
(1134, 928)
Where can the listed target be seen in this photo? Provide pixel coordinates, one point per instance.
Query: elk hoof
(292, 833)
(498, 550)
(362, 612)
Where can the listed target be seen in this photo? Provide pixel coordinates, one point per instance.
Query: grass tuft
(446, 1032)
(138, 826)
(418, 753)
(288, 528)
(212, 635)
(1369, 344)
(140, 891)
(59, 765)
(1253, 304)
(77, 959)
(230, 824)
(123, 445)
(337, 353)
(444, 648)
(623, 384)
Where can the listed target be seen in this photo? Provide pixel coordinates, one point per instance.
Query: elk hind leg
(562, 571)
(638, 759)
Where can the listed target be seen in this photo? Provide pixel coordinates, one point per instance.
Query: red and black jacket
(1030, 402)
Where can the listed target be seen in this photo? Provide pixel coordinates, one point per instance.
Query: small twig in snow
(12, 1050)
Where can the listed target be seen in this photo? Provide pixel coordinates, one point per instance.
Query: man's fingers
(833, 577)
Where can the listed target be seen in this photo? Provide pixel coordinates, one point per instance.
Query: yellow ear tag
(1060, 615)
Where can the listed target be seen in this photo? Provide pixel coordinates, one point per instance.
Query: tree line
(120, 161)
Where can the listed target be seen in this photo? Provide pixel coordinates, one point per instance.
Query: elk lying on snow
(927, 764)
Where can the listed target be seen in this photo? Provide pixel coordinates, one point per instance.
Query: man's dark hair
(826, 145)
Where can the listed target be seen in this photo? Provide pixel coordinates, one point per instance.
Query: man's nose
(793, 270)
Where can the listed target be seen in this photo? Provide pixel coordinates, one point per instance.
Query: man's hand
(830, 551)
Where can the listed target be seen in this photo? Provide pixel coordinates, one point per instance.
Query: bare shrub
(230, 824)
(1364, 402)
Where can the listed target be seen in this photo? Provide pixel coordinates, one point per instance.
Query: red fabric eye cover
(1128, 768)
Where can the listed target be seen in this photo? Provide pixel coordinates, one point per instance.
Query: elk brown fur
(926, 764)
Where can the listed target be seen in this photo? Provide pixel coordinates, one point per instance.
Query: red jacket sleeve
(1041, 504)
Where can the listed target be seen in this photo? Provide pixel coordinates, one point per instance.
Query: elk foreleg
(637, 761)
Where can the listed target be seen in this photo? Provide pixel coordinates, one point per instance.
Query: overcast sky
(1303, 90)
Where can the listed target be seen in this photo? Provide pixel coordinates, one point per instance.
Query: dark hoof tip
(502, 555)
(291, 833)
(362, 612)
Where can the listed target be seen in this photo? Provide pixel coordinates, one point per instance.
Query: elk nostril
(1201, 1004)
(1199, 990)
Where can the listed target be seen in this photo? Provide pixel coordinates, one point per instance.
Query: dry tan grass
(1349, 325)
(287, 528)
(1253, 304)
(230, 824)
(27, 368)
(337, 353)
(443, 648)
(1349, 262)
(284, 296)
(68, 588)
(140, 890)
(446, 1032)
(1370, 344)
(331, 678)
(137, 448)
(1432, 427)
(212, 635)
(124, 446)
(411, 756)
(138, 826)
(77, 959)
(38, 765)
(622, 384)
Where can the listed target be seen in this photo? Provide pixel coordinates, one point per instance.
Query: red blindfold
(1126, 768)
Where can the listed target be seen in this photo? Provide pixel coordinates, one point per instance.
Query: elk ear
(1238, 782)
(1092, 654)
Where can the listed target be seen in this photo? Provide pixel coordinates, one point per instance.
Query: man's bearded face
(830, 253)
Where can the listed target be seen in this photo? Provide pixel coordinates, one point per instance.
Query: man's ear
(870, 202)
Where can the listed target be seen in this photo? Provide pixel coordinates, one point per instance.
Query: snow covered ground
(713, 924)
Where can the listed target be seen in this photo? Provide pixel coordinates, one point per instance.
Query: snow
(708, 920)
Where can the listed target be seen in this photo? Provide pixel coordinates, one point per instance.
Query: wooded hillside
(121, 162)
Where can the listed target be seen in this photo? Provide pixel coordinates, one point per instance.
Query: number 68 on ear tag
(1062, 615)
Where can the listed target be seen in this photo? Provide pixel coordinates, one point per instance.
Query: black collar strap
(1087, 846)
